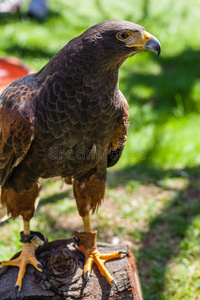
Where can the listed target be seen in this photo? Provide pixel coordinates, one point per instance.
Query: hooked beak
(144, 41)
(153, 45)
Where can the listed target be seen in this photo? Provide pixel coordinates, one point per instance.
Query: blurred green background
(152, 199)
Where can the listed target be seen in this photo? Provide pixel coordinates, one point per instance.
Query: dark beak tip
(158, 48)
(159, 51)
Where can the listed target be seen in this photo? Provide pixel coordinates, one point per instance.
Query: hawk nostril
(147, 36)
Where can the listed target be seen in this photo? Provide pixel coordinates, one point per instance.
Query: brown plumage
(69, 119)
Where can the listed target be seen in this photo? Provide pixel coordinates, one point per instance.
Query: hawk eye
(122, 35)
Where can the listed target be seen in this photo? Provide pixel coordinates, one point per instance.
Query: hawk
(69, 120)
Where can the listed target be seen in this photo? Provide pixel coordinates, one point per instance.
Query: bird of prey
(69, 120)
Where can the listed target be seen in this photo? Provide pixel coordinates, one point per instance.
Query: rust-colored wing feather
(16, 134)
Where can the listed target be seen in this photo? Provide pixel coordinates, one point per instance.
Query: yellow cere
(139, 40)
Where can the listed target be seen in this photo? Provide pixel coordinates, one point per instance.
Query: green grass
(152, 198)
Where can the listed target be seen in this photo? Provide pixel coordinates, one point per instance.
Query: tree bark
(64, 281)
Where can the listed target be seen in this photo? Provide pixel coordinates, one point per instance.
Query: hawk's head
(117, 38)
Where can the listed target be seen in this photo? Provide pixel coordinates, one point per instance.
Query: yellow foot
(92, 255)
(26, 257)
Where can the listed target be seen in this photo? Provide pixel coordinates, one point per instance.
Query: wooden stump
(64, 281)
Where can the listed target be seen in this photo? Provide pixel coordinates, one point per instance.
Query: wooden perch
(64, 281)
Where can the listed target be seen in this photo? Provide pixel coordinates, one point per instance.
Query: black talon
(76, 239)
(42, 268)
(123, 252)
(16, 291)
(86, 279)
(114, 282)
